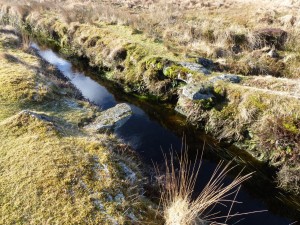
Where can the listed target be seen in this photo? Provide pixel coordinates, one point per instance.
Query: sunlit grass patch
(47, 176)
(51, 171)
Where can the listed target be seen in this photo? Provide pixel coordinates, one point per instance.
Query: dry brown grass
(222, 29)
(224, 32)
(179, 207)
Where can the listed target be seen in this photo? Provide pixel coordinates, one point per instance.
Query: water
(150, 137)
(89, 88)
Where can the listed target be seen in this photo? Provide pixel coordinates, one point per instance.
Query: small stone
(109, 198)
(226, 77)
(183, 104)
(120, 198)
(111, 119)
(187, 78)
(36, 115)
(195, 67)
(132, 216)
(129, 174)
(196, 92)
(98, 204)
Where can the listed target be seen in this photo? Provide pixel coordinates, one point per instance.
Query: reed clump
(179, 205)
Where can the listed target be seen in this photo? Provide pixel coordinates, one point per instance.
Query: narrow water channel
(155, 129)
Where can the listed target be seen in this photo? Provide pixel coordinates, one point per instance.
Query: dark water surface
(154, 129)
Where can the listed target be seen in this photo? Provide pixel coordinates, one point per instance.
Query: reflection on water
(149, 138)
(90, 89)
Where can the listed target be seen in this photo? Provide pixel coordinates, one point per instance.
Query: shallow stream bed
(157, 128)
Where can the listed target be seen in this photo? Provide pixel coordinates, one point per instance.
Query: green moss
(175, 71)
(156, 63)
(134, 63)
(257, 102)
(291, 125)
(219, 90)
(206, 103)
(58, 178)
(17, 82)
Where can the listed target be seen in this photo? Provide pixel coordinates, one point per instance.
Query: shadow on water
(155, 128)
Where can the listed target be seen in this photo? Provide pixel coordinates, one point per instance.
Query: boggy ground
(52, 170)
(257, 113)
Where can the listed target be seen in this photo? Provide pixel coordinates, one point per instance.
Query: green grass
(146, 66)
(51, 170)
(265, 121)
(47, 176)
(17, 84)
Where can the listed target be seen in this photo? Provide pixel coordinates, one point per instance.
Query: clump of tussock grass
(289, 177)
(285, 129)
(177, 189)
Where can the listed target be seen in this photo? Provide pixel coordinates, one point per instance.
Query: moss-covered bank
(263, 122)
(260, 114)
(139, 64)
(53, 171)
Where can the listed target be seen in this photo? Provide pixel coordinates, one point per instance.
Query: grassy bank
(231, 32)
(128, 56)
(263, 122)
(259, 113)
(52, 170)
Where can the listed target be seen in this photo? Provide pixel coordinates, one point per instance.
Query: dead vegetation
(177, 188)
(240, 40)
(221, 30)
